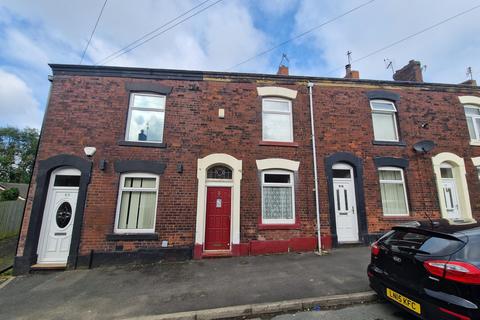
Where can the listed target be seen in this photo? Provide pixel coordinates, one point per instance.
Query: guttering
(197, 75)
(314, 151)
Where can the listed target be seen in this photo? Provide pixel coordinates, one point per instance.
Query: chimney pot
(282, 70)
(411, 72)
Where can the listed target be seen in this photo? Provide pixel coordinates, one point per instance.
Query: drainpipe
(314, 151)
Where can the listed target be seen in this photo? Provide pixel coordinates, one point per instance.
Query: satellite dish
(424, 146)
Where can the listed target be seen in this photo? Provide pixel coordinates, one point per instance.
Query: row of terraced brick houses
(140, 164)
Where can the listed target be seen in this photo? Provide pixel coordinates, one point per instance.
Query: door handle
(353, 210)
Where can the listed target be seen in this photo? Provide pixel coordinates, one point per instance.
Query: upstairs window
(137, 203)
(384, 120)
(277, 120)
(393, 191)
(277, 197)
(473, 122)
(146, 117)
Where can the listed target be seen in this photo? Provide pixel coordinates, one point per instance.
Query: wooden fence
(11, 213)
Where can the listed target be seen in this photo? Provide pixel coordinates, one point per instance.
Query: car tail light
(454, 314)
(375, 249)
(454, 270)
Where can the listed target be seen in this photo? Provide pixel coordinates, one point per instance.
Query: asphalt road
(151, 289)
(374, 311)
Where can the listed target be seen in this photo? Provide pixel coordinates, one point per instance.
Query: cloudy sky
(35, 33)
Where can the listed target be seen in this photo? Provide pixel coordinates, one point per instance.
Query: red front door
(217, 229)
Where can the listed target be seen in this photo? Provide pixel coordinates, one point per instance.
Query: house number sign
(219, 203)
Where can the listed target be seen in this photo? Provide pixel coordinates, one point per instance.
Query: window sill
(131, 236)
(398, 218)
(474, 142)
(389, 143)
(141, 144)
(278, 144)
(262, 226)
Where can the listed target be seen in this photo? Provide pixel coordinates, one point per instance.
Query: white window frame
(394, 115)
(122, 189)
(475, 127)
(131, 107)
(394, 182)
(290, 184)
(289, 113)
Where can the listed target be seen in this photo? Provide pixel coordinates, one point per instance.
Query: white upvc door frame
(49, 210)
(351, 197)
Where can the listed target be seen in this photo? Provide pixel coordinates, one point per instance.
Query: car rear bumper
(430, 307)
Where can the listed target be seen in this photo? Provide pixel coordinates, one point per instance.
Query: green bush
(9, 194)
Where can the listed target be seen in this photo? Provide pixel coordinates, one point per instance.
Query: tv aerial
(389, 64)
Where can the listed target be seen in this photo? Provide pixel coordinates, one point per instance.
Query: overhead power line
(93, 31)
(410, 36)
(151, 32)
(147, 39)
(300, 35)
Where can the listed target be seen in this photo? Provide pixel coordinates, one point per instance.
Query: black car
(430, 268)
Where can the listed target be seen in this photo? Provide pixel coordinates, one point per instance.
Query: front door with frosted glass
(58, 217)
(451, 198)
(345, 210)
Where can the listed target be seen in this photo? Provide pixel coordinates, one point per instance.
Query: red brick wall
(343, 123)
(93, 110)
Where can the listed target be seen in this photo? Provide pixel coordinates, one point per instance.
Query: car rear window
(424, 244)
(471, 252)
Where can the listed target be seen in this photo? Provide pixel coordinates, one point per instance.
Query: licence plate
(404, 301)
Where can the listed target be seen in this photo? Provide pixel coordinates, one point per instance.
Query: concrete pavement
(130, 291)
(373, 311)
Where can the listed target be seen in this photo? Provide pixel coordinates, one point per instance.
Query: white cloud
(53, 31)
(214, 39)
(20, 48)
(447, 50)
(18, 107)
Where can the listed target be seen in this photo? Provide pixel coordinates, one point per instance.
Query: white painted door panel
(56, 233)
(451, 198)
(345, 210)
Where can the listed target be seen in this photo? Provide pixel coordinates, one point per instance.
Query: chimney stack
(282, 70)
(470, 82)
(351, 74)
(411, 72)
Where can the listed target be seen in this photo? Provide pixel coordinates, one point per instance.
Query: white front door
(58, 217)
(345, 210)
(451, 198)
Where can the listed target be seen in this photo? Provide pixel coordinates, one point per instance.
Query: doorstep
(49, 266)
(217, 254)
